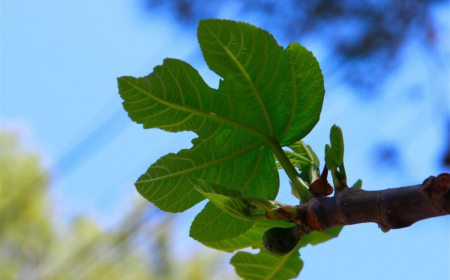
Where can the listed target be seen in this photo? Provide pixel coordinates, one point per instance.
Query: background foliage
(31, 247)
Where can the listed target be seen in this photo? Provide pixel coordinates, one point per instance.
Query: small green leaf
(334, 154)
(337, 140)
(358, 184)
(298, 160)
(228, 200)
(301, 157)
(301, 149)
(307, 173)
(331, 157)
(304, 158)
(316, 160)
(267, 266)
(305, 151)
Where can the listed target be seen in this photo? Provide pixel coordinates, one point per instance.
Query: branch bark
(391, 208)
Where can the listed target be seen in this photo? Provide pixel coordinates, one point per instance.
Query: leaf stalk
(290, 170)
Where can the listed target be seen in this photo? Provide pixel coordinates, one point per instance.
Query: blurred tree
(33, 247)
(23, 185)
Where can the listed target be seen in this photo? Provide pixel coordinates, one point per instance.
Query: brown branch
(391, 208)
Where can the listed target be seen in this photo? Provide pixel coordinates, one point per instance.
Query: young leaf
(310, 173)
(302, 150)
(358, 184)
(307, 162)
(232, 202)
(262, 204)
(297, 160)
(305, 151)
(334, 154)
(316, 160)
(267, 95)
(267, 266)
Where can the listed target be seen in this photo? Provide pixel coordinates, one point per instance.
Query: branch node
(437, 187)
(441, 184)
(321, 185)
(312, 220)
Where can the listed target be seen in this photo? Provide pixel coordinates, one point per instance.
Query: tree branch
(391, 208)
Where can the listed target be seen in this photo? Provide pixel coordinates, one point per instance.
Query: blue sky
(59, 64)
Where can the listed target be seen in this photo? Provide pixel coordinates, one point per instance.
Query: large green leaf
(215, 156)
(267, 95)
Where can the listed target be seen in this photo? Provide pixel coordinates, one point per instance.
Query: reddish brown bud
(321, 185)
